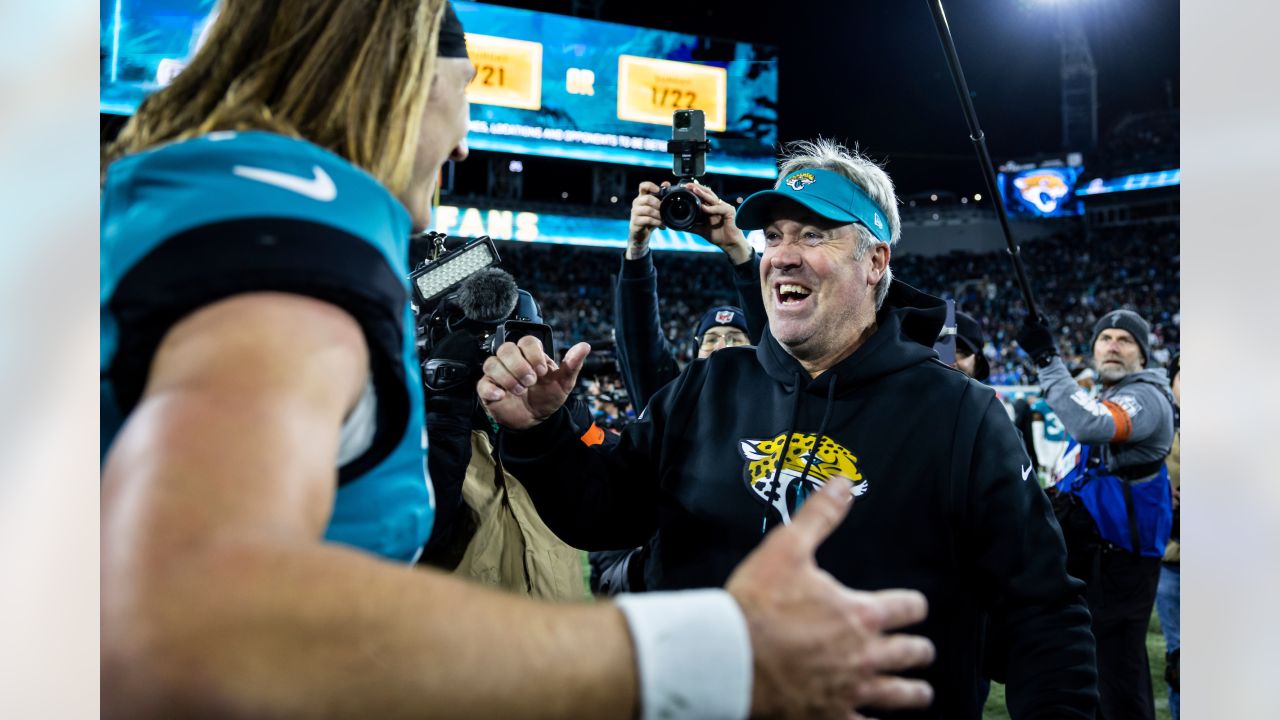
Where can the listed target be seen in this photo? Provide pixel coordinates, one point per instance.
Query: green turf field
(995, 709)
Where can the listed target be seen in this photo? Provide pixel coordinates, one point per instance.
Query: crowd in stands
(1074, 281)
(574, 287)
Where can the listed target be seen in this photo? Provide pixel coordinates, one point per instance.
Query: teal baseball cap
(828, 194)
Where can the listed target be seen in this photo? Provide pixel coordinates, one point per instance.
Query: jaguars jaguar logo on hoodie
(808, 465)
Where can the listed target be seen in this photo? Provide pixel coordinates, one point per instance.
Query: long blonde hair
(351, 76)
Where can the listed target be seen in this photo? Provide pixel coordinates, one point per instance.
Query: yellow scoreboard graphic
(508, 72)
(650, 89)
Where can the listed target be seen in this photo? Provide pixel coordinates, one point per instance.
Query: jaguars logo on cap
(799, 180)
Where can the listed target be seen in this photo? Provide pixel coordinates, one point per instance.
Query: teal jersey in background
(189, 223)
(1053, 429)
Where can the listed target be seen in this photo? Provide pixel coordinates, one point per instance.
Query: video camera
(688, 147)
(467, 309)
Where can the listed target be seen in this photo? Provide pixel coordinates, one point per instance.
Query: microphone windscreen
(488, 296)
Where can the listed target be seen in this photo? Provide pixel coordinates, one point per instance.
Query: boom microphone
(984, 157)
(488, 296)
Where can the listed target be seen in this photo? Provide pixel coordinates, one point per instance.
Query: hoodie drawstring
(817, 440)
(786, 445)
(801, 490)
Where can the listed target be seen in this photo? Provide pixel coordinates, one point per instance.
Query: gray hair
(827, 154)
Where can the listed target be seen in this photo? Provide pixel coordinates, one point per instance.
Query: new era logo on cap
(877, 220)
(724, 316)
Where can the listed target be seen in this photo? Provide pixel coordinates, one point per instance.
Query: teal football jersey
(189, 223)
(1053, 429)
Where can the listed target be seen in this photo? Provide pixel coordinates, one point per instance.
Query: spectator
(969, 343)
(645, 357)
(1113, 494)
(842, 392)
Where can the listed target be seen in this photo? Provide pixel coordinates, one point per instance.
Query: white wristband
(693, 654)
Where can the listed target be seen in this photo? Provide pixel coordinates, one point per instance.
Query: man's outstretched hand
(820, 649)
(522, 385)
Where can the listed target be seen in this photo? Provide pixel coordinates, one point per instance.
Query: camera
(688, 146)
(470, 324)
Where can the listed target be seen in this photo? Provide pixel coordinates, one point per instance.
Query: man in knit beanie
(1121, 323)
(1112, 494)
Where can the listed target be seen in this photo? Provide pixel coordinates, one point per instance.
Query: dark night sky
(874, 72)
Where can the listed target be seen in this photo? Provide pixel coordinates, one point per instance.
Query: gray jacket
(1132, 420)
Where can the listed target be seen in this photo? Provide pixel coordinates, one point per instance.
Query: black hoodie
(947, 500)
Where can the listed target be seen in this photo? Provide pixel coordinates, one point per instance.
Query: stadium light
(977, 197)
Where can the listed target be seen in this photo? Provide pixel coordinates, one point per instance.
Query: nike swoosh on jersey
(319, 187)
(1026, 473)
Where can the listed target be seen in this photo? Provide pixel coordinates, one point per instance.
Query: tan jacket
(512, 548)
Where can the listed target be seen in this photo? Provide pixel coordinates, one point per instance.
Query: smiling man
(1114, 496)
(844, 389)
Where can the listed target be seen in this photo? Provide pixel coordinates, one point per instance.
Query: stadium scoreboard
(508, 72)
(649, 90)
(568, 87)
(546, 85)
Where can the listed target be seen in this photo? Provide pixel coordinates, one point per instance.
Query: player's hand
(645, 217)
(717, 224)
(522, 385)
(820, 649)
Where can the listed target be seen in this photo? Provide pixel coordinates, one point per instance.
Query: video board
(1040, 191)
(546, 84)
(1137, 181)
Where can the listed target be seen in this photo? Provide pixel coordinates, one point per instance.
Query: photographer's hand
(522, 386)
(717, 225)
(645, 217)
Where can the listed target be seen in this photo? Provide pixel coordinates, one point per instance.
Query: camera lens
(682, 120)
(679, 209)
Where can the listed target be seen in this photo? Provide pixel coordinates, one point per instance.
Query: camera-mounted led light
(441, 275)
